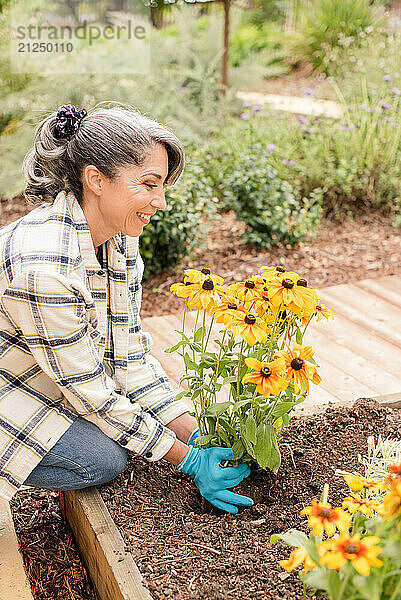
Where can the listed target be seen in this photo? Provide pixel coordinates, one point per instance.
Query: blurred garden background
(262, 185)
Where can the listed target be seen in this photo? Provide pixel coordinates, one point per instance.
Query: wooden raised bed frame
(112, 569)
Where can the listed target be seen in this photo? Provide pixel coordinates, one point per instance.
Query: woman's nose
(159, 200)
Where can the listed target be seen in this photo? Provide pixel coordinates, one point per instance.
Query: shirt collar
(85, 242)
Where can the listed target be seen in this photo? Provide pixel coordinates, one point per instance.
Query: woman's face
(128, 202)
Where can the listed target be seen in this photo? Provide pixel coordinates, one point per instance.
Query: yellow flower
(204, 294)
(224, 312)
(298, 368)
(196, 276)
(354, 502)
(392, 500)
(266, 376)
(362, 553)
(293, 293)
(247, 291)
(296, 558)
(322, 311)
(268, 273)
(250, 327)
(357, 483)
(322, 517)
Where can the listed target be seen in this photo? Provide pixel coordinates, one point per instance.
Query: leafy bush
(177, 231)
(267, 203)
(331, 27)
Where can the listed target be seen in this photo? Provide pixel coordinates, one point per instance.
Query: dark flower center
(265, 372)
(280, 269)
(287, 283)
(302, 282)
(297, 364)
(250, 319)
(205, 271)
(249, 284)
(351, 548)
(232, 306)
(208, 285)
(318, 307)
(265, 297)
(325, 513)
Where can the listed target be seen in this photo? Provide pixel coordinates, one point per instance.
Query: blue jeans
(84, 456)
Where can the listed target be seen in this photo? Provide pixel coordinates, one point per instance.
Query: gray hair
(108, 138)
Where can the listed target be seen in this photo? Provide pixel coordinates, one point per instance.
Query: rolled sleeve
(50, 312)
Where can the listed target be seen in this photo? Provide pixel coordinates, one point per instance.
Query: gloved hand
(214, 481)
(195, 434)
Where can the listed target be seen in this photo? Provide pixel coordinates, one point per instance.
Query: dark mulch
(184, 553)
(51, 558)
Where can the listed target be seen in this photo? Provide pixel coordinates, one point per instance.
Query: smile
(144, 217)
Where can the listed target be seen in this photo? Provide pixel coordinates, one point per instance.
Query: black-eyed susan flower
(354, 502)
(268, 273)
(196, 276)
(204, 294)
(224, 312)
(285, 291)
(357, 483)
(322, 311)
(249, 326)
(323, 518)
(267, 376)
(299, 556)
(362, 553)
(299, 370)
(247, 291)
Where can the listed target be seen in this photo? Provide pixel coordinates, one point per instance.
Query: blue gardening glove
(214, 481)
(194, 435)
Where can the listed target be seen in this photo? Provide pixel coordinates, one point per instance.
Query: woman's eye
(150, 185)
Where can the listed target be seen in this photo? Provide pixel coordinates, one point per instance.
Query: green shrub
(177, 231)
(266, 203)
(330, 28)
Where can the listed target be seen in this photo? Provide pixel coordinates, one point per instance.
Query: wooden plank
(112, 569)
(14, 584)
(379, 380)
(390, 400)
(372, 313)
(387, 290)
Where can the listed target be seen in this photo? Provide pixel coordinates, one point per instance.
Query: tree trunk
(224, 68)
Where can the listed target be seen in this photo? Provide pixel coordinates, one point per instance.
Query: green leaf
(189, 364)
(317, 578)
(292, 537)
(298, 336)
(227, 426)
(283, 408)
(199, 333)
(204, 440)
(175, 347)
(238, 449)
(182, 395)
(240, 403)
(266, 448)
(216, 409)
(250, 429)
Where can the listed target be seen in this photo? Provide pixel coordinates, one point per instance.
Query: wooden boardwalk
(359, 353)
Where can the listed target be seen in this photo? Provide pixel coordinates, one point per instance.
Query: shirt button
(148, 455)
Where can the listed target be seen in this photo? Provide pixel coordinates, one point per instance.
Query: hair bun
(68, 120)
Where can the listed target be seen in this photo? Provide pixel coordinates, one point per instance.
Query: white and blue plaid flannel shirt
(71, 342)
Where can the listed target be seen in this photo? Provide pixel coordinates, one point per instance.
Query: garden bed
(183, 553)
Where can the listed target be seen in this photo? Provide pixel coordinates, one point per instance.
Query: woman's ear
(93, 179)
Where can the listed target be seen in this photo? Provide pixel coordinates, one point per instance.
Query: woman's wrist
(183, 426)
(177, 453)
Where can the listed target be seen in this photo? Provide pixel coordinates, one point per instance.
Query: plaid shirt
(71, 342)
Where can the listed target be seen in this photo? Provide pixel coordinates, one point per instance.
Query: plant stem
(238, 368)
(397, 588)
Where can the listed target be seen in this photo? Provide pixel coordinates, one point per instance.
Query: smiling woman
(78, 387)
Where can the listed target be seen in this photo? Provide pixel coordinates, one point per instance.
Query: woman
(78, 387)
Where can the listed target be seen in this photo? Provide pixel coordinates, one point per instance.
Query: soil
(51, 559)
(185, 554)
(366, 247)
